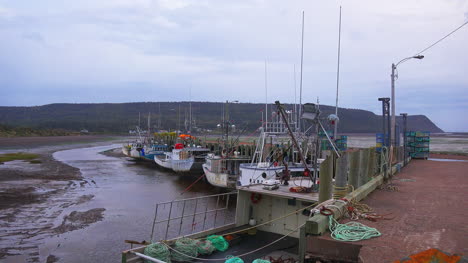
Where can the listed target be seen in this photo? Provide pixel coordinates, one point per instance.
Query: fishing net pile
(187, 247)
(158, 251)
(218, 242)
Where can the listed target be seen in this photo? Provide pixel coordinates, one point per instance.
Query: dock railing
(190, 216)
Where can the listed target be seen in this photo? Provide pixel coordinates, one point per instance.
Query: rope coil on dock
(351, 231)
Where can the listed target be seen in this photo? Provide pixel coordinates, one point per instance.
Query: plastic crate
(419, 155)
(422, 134)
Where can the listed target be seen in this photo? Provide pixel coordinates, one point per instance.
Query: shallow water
(127, 190)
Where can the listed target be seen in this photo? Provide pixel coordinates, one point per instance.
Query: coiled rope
(157, 251)
(232, 259)
(188, 247)
(351, 231)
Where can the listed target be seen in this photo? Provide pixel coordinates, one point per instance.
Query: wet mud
(77, 220)
(80, 200)
(33, 197)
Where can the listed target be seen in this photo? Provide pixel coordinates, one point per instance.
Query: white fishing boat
(183, 159)
(223, 172)
(267, 165)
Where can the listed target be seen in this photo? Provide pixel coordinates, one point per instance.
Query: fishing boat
(268, 163)
(183, 158)
(223, 171)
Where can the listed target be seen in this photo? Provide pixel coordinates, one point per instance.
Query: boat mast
(190, 110)
(335, 134)
(178, 119)
(149, 124)
(266, 96)
(300, 82)
(295, 100)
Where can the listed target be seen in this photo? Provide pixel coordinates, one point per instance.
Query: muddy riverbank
(34, 194)
(78, 201)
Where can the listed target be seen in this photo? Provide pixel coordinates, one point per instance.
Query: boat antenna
(266, 95)
(149, 124)
(178, 119)
(295, 99)
(190, 109)
(335, 134)
(300, 81)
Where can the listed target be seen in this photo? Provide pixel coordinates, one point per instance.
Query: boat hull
(163, 162)
(216, 179)
(257, 174)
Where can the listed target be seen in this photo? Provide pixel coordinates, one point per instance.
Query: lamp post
(394, 67)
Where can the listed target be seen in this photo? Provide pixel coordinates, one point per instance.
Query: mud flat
(34, 196)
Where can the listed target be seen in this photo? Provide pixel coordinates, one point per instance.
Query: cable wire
(438, 41)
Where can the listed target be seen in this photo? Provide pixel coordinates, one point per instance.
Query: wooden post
(302, 244)
(326, 175)
(371, 165)
(354, 161)
(364, 156)
(341, 170)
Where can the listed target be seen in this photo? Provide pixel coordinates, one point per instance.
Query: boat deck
(283, 190)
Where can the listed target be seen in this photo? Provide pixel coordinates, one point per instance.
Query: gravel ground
(429, 210)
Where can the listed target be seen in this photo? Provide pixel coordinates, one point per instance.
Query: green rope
(259, 260)
(186, 246)
(205, 247)
(218, 242)
(232, 259)
(351, 231)
(158, 251)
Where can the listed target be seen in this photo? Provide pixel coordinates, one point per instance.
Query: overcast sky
(143, 50)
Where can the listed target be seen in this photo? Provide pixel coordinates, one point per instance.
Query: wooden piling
(371, 168)
(354, 159)
(364, 156)
(341, 170)
(326, 175)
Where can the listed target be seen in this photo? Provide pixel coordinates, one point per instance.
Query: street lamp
(394, 66)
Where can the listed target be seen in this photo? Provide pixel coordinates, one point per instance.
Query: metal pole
(335, 134)
(295, 100)
(266, 96)
(168, 222)
(182, 218)
(148, 257)
(154, 222)
(190, 110)
(216, 212)
(300, 82)
(392, 126)
(383, 123)
(194, 214)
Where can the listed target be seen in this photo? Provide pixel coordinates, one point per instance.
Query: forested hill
(122, 117)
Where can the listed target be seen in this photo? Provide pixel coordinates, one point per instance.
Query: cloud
(93, 51)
